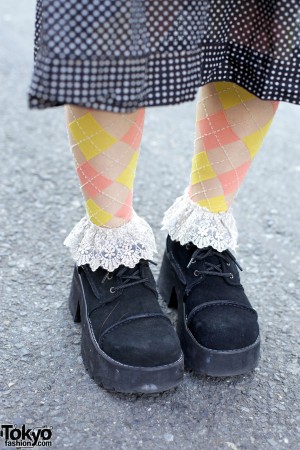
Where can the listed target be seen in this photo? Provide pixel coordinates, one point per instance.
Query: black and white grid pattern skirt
(119, 55)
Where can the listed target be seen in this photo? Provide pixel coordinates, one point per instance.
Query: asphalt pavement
(43, 381)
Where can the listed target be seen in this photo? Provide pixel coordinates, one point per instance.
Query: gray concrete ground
(43, 381)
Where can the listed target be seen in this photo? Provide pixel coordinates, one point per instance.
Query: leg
(217, 326)
(106, 146)
(231, 124)
(113, 291)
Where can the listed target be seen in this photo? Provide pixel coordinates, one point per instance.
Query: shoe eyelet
(112, 290)
(110, 276)
(228, 264)
(188, 246)
(231, 276)
(196, 273)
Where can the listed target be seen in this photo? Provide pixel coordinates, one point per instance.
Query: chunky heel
(166, 283)
(74, 297)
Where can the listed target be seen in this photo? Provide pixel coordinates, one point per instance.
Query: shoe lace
(128, 279)
(211, 268)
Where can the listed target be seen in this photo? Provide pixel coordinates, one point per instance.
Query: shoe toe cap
(225, 327)
(146, 342)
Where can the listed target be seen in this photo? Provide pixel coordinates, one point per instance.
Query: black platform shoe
(128, 344)
(217, 326)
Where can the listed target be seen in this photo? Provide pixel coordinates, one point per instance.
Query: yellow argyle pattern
(231, 124)
(106, 156)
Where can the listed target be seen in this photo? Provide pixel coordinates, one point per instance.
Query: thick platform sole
(113, 375)
(202, 360)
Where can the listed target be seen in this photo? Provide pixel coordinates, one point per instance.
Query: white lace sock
(111, 247)
(186, 221)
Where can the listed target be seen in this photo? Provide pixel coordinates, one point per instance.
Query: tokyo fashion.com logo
(23, 437)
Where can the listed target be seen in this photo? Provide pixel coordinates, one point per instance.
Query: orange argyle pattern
(106, 148)
(231, 124)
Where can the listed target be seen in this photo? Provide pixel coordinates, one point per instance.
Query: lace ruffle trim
(186, 221)
(111, 247)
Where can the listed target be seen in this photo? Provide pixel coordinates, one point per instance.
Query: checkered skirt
(119, 55)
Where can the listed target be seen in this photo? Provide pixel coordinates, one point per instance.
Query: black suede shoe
(217, 326)
(128, 344)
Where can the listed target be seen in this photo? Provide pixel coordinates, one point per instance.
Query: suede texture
(219, 314)
(127, 321)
